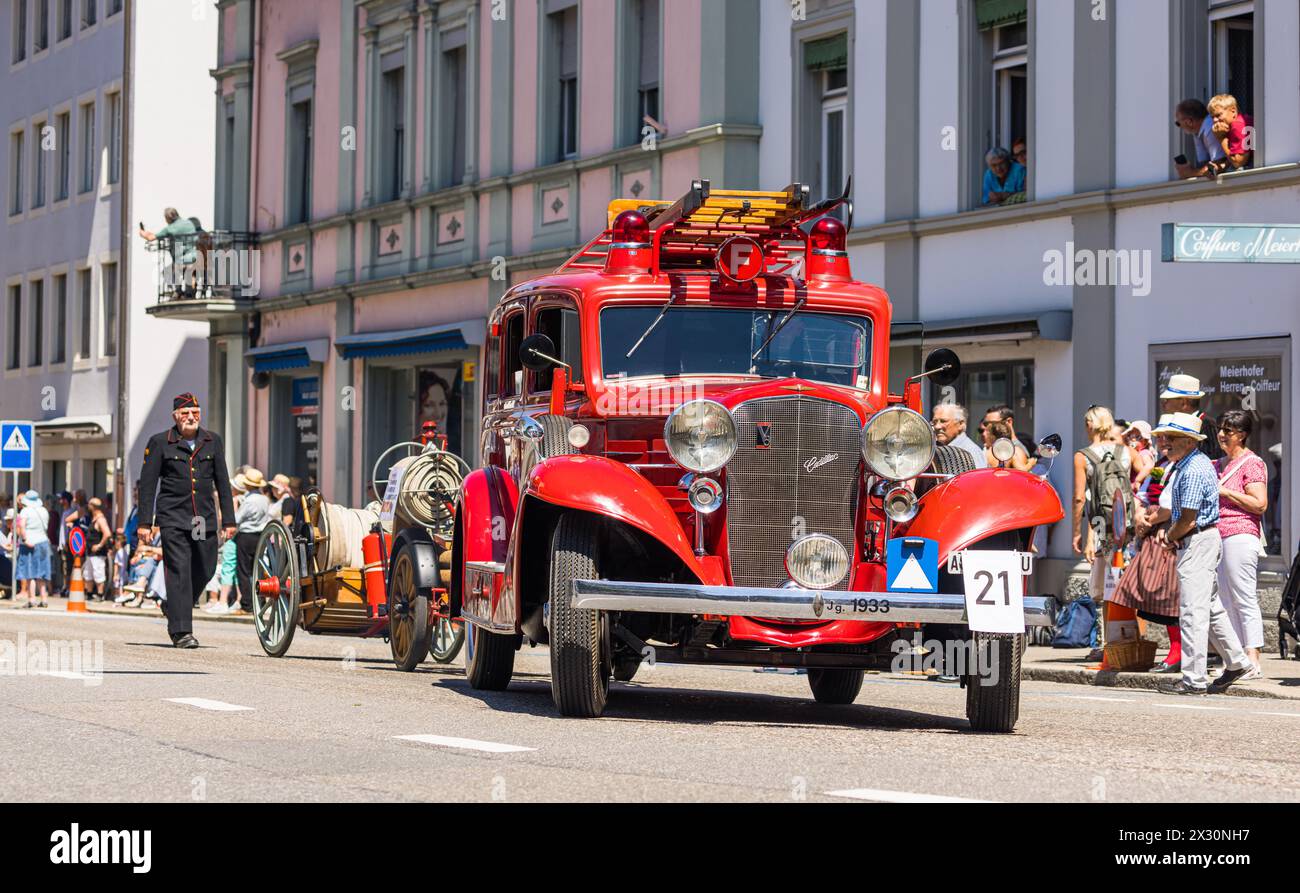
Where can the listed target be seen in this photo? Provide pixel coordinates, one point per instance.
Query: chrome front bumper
(785, 604)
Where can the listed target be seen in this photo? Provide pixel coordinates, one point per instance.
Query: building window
(59, 331)
(649, 113)
(89, 12)
(114, 137)
(41, 38)
(15, 327)
(826, 131)
(1251, 375)
(83, 314)
(562, 35)
(393, 134)
(985, 385)
(63, 145)
(114, 7)
(36, 351)
(19, 22)
(226, 199)
(108, 316)
(87, 125)
(455, 69)
(17, 162)
(300, 160)
(1232, 52)
(65, 19)
(40, 165)
(1010, 46)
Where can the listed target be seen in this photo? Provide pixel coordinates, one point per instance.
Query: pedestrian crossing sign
(912, 564)
(17, 446)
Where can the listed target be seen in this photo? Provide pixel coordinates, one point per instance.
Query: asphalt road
(333, 721)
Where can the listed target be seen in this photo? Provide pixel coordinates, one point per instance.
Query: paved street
(334, 721)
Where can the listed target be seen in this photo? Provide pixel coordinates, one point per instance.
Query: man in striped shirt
(1195, 537)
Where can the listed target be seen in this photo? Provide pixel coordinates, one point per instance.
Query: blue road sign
(912, 564)
(17, 446)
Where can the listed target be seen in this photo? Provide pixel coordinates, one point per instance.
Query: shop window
(438, 391)
(985, 385)
(511, 368)
(1251, 376)
(295, 428)
(99, 481)
(561, 325)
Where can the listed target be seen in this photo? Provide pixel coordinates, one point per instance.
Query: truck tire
(995, 708)
(580, 666)
(949, 459)
(556, 441)
(835, 686)
(490, 660)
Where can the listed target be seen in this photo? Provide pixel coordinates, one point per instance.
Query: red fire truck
(690, 454)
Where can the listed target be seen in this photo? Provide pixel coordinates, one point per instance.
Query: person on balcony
(185, 270)
(1005, 178)
(1193, 118)
(1234, 129)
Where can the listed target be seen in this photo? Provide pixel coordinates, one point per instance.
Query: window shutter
(827, 54)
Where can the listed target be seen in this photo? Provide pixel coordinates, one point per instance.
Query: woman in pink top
(1243, 499)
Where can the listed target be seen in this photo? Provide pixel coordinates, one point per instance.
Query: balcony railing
(219, 265)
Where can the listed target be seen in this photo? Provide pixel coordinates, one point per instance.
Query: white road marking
(1099, 698)
(898, 796)
(205, 704)
(1186, 706)
(464, 743)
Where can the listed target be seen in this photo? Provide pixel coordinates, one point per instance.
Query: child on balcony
(1235, 130)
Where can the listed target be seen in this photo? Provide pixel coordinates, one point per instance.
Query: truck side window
(510, 363)
(560, 324)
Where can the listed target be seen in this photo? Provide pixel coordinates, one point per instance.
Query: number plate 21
(994, 587)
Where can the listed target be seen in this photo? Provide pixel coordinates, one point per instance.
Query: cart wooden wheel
(408, 614)
(448, 637)
(319, 522)
(277, 589)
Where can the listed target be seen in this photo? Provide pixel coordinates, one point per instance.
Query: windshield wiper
(776, 330)
(658, 319)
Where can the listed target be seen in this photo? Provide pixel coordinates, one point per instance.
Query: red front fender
(486, 513)
(981, 503)
(605, 487)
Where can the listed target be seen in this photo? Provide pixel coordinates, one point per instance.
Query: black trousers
(188, 565)
(245, 546)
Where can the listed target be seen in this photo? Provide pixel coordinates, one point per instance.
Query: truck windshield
(715, 341)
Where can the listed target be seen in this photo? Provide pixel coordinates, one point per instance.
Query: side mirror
(942, 367)
(1049, 447)
(537, 353)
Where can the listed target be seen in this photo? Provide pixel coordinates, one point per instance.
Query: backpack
(1076, 625)
(1105, 477)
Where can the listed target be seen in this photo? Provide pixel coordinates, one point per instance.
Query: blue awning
(292, 355)
(404, 342)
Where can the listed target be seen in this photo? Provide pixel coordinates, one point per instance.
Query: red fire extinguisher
(375, 549)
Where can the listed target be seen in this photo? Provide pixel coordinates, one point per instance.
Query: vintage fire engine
(690, 454)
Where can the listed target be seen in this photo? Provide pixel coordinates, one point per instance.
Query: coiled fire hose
(345, 529)
(430, 482)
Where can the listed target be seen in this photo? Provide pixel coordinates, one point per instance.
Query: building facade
(403, 162)
(83, 141)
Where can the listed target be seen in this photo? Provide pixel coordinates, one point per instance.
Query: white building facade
(91, 151)
(1092, 85)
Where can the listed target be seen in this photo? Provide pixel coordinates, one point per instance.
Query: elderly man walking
(184, 467)
(1195, 537)
(949, 423)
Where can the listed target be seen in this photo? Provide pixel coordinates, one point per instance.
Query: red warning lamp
(630, 251)
(827, 257)
(630, 228)
(828, 234)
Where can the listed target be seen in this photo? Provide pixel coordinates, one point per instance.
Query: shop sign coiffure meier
(1230, 243)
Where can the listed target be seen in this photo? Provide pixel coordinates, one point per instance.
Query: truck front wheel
(580, 663)
(835, 686)
(993, 681)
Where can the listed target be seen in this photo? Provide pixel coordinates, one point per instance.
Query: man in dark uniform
(183, 466)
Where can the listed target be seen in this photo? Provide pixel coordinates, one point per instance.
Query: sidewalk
(150, 609)
(1281, 677)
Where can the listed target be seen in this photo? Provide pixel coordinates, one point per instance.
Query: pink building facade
(404, 162)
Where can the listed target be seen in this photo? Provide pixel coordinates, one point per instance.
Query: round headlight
(1003, 449)
(701, 435)
(817, 561)
(897, 443)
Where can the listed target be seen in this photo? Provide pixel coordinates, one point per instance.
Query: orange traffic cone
(76, 589)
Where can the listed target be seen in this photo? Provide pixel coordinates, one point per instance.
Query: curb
(199, 614)
(1146, 681)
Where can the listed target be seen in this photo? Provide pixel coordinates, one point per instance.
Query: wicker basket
(1131, 654)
